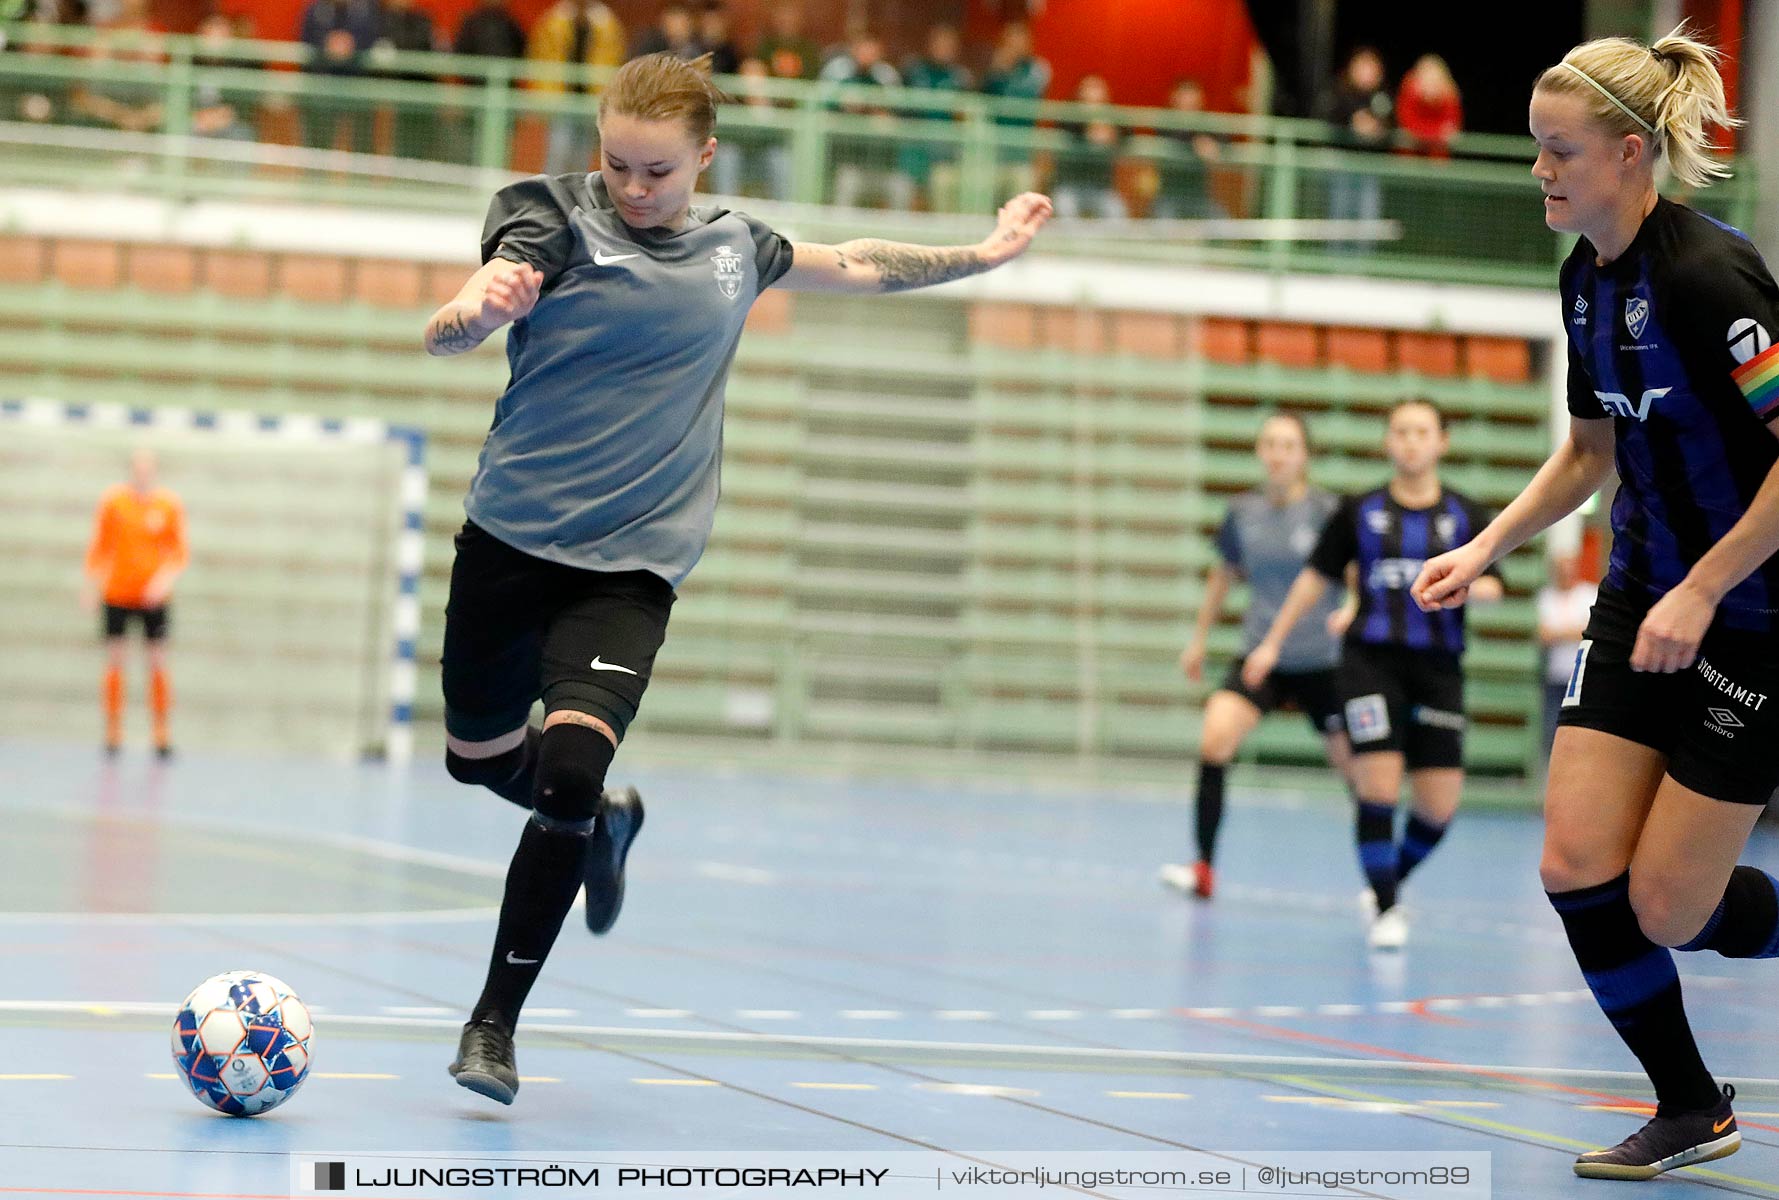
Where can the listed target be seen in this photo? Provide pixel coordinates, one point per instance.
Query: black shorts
(1312, 693)
(1717, 721)
(116, 621)
(1402, 700)
(519, 627)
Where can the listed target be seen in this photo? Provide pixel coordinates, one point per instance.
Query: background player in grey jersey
(1266, 536)
(597, 485)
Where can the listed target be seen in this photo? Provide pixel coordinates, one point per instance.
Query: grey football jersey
(1269, 546)
(606, 446)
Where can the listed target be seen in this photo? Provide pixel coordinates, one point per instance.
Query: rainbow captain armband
(1759, 380)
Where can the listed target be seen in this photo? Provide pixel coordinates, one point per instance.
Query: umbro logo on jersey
(1446, 526)
(1581, 304)
(1724, 716)
(1636, 315)
(1378, 521)
(605, 666)
(602, 259)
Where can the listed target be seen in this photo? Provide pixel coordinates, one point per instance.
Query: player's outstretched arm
(870, 265)
(1572, 474)
(501, 291)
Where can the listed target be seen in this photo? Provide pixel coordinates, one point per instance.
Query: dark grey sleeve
(528, 223)
(772, 251)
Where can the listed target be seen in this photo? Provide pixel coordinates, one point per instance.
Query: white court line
(735, 873)
(329, 920)
(1072, 1057)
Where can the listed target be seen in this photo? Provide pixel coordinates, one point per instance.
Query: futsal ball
(242, 1042)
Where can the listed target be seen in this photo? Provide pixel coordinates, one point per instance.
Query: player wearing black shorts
(1265, 537)
(1664, 755)
(597, 484)
(1401, 678)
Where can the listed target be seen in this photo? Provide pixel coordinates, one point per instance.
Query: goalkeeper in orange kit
(138, 550)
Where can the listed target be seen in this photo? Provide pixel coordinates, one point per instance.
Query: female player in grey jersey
(1266, 536)
(597, 484)
(1664, 752)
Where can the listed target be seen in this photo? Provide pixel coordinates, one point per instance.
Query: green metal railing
(435, 131)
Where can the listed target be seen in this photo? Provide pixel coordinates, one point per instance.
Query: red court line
(1404, 1056)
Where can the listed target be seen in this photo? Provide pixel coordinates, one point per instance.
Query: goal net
(294, 625)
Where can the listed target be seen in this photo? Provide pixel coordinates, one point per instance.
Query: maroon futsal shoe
(1668, 1141)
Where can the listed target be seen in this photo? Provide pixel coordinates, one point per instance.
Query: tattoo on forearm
(453, 333)
(901, 267)
(842, 261)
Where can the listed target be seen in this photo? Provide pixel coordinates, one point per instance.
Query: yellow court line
(1462, 1103)
(160, 1075)
(1635, 1110)
(1150, 1095)
(1555, 1139)
(838, 1087)
(34, 1078)
(353, 1075)
(538, 1079)
(679, 1082)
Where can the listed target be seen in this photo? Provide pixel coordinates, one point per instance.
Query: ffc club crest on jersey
(728, 269)
(1636, 315)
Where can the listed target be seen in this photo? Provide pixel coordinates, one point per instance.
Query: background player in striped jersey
(137, 552)
(1664, 751)
(1401, 673)
(597, 485)
(1266, 536)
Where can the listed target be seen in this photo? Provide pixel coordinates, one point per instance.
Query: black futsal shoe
(1668, 1141)
(484, 1061)
(620, 820)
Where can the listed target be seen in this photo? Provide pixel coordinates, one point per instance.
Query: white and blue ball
(242, 1042)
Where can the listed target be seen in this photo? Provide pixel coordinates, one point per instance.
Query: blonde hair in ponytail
(1670, 94)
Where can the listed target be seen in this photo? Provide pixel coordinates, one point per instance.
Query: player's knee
(571, 766)
(1662, 909)
(487, 770)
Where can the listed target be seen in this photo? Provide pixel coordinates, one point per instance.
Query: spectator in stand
(213, 115)
(1015, 73)
(674, 33)
(1082, 175)
(490, 32)
(716, 38)
(754, 162)
(786, 51)
(582, 33)
(1564, 605)
(121, 104)
(1428, 107)
(39, 101)
(1361, 107)
(339, 33)
(932, 166)
(407, 28)
(1182, 180)
(870, 163)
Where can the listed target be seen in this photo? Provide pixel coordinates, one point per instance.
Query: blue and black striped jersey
(1390, 542)
(1673, 341)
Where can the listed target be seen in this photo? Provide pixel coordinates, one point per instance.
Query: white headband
(1601, 88)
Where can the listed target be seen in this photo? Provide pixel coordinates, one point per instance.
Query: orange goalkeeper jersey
(134, 537)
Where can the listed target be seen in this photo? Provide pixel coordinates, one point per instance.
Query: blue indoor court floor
(805, 964)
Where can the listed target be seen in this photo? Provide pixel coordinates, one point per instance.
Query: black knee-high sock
(1635, 983)
(1418, 840)
(541, 887)
(1746, 923)
(548, 867)
(1209, 808)
(519, 784)
(1375, 831)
